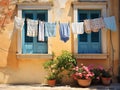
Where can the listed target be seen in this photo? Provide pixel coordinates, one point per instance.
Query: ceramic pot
(84, 82)
(51, 82)
(106, 80)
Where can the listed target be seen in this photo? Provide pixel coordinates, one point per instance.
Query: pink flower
(100, 67)
(82, 72)
(98, 78)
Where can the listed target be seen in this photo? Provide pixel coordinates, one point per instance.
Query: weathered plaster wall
(14, 70)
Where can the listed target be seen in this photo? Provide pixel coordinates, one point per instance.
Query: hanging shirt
(50, 29)
(18, 23)
(64, 31)
(32, 27)
(78, 28)
(110, 23)
(87, 24)
(41, 31)
(97, 24)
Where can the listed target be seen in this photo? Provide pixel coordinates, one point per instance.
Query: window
(31, 44)
(98, 41)
(89, 43)
(30, 47)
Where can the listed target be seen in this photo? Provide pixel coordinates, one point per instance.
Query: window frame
(33, 6)
(91, 6)
(89, 41)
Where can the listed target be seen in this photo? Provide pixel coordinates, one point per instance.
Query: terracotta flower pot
(106, 81)
(84, 82)
(51, 82)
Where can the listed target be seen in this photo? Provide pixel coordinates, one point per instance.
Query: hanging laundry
(87, 24)
(97, 24)
(78, 28)
(32, 27)
(50, 29)
(18, 23)
(41, 31)
(64, 31)
(110, 23)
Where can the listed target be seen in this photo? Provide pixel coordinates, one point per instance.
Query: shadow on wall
(12, 61)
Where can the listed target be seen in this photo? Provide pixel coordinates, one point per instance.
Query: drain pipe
(112, 53)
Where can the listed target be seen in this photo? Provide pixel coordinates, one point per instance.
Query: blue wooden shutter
(89, 43)
(27, 42)
(31, 44)
(41, 46)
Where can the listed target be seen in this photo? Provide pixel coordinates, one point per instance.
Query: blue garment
(64, 32)
(50, 29)
(110, 23)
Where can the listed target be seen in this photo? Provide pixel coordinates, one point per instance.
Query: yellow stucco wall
(14, 70)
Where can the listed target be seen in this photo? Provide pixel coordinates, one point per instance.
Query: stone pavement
(114, 86)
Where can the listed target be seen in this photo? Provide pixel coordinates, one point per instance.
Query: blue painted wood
(31, 45)
(89, 43)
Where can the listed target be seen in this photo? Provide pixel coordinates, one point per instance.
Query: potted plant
(83, 75)
(97, 70)
(50, 66)
(106, 77)
(65, 62)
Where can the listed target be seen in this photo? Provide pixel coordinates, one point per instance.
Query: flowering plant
(82, 72)
(97, 70)
(106, 73)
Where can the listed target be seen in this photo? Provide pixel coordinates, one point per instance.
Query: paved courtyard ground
(114, 86)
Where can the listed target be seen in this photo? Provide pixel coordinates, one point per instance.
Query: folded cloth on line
(78, 28)
(110, 23)
(50, 29)
(97, 24)
(41, 31)
(32, 28)
(64, 31)
(87, 24)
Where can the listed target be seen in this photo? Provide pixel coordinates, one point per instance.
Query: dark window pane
(41, 16)
(28, 39)
(83, 37)
(95, 37)
(94, 15)
(82, 17)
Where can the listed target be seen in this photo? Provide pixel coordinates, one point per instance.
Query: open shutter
(41, 46)
(95, 36)
(89, 43)
(27, 42)
(31, 45)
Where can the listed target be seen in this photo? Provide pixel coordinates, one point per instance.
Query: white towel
(32, 28)
(18, 23)
(41, 31)
(78, 28)
(110, 23)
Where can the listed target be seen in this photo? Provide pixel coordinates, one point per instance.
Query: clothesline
(49, 29)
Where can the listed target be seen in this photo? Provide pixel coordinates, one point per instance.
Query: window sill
(34, 56)
(91, 56)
